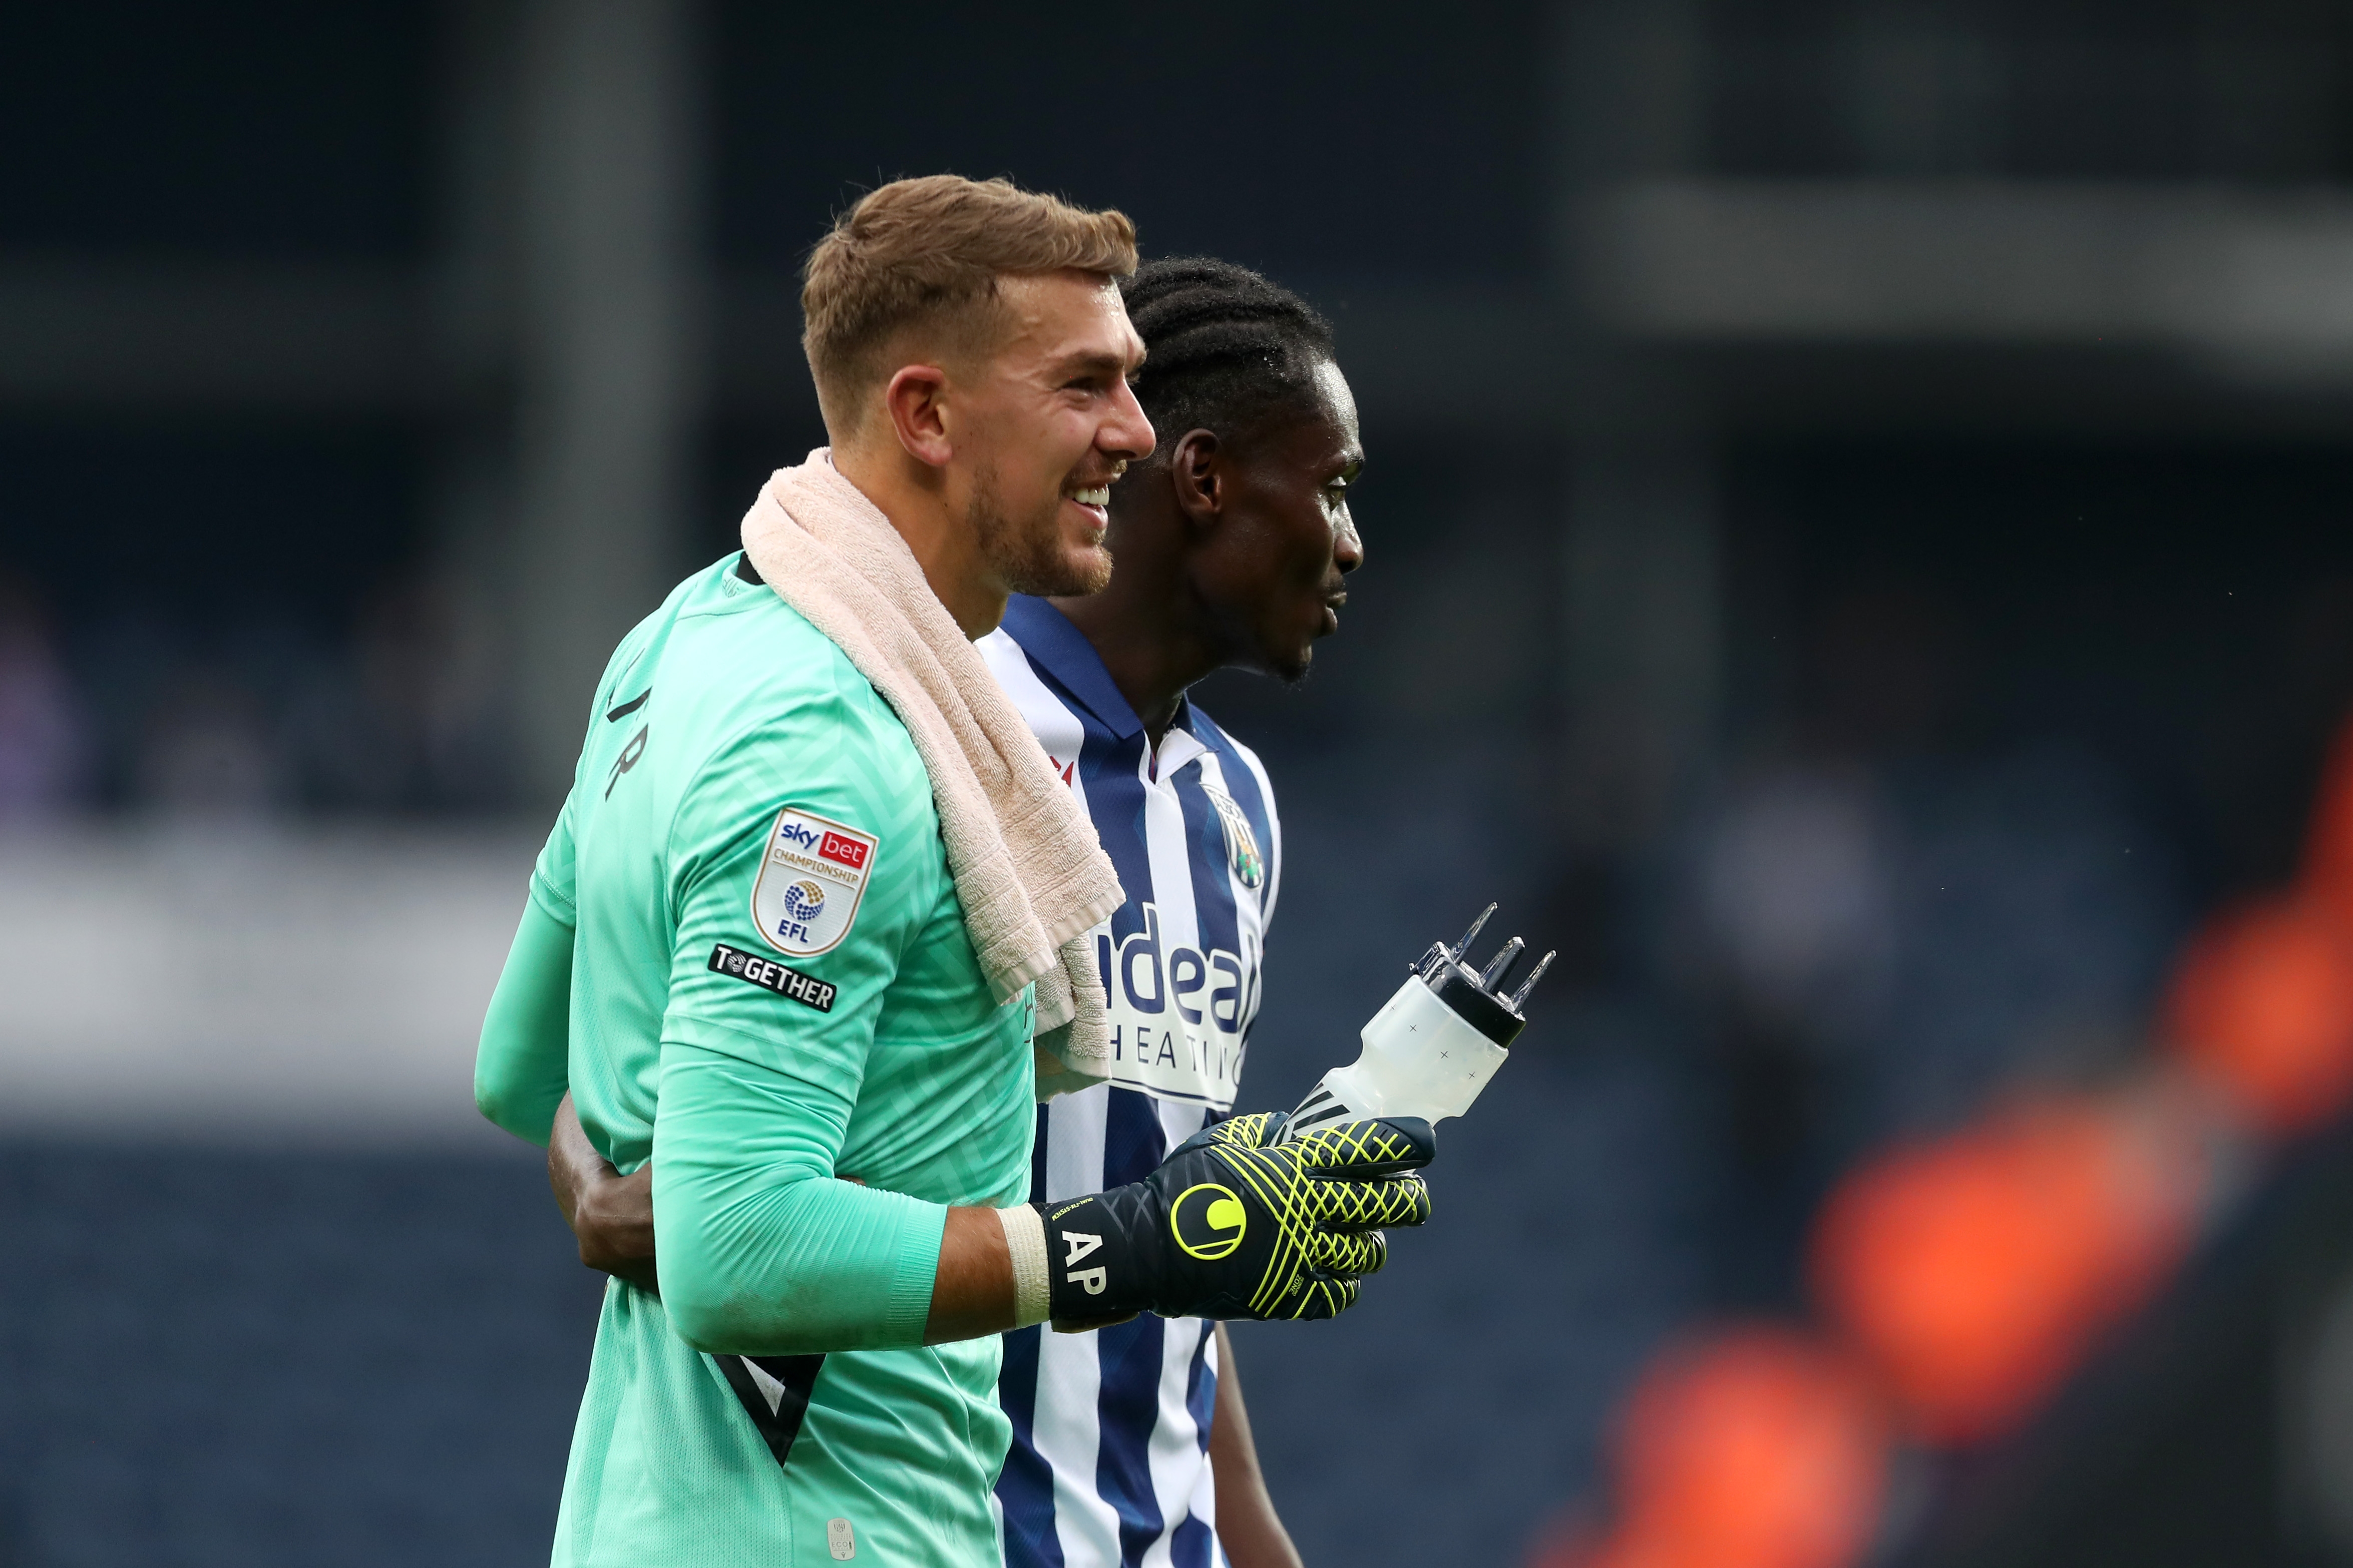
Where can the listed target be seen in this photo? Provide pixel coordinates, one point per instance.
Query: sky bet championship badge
(810, 882)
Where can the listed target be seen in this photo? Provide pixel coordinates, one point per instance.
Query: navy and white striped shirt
(1111, 1429)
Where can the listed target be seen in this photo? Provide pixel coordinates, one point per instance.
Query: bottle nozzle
(1462, 948)
(1530, 982)
(1501, 965)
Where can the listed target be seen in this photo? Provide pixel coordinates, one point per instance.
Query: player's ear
(1196, 467)
(915, 402)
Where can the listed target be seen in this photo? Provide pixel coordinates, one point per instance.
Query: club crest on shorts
(810, 882)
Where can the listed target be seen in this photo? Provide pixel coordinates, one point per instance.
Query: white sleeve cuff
(1024, 1238)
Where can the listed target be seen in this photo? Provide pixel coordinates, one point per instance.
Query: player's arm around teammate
(980, 410)
(1232, 547)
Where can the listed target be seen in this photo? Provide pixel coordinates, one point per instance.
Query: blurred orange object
(1973, 1270)
(1760, 1447)
(2262, 1010)
(2328, 840)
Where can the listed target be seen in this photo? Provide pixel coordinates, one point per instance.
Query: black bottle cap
(1478, 999)
(1483, 1010)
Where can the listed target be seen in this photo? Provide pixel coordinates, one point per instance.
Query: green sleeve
(521, 1067)
(763, 1250)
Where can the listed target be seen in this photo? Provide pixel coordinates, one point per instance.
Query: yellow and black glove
(1235, 1226)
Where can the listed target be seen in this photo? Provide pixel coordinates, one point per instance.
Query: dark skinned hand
(611, 1215)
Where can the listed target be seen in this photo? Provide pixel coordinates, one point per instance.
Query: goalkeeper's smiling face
(1275, 572)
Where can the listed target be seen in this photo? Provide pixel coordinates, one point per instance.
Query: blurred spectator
(408, 718)
(208, 749)
(1797, 895)
(279, 714)
(1889, 918)
(44, 738)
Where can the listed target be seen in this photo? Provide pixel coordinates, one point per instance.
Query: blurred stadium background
(1859, 559)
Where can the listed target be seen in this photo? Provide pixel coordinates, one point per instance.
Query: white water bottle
(1433, 1045)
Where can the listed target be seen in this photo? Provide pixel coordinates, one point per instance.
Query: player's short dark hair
(1225, 348)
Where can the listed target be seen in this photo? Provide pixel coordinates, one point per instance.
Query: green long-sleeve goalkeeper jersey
(767, 944)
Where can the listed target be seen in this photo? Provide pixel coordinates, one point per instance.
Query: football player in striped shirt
(1230, 545)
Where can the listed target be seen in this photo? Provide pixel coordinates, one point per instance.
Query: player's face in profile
(1047, 424)
(1296, 539)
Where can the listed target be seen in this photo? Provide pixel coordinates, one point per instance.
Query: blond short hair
(926, 253)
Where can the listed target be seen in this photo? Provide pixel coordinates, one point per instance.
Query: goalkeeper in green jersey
(759, 911)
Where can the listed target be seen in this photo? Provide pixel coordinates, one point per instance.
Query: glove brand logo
(1092, 1280)
(1208, 1221)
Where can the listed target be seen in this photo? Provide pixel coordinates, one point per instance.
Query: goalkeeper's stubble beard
(1036, 554)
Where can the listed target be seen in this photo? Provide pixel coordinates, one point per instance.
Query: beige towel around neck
(1031, 876)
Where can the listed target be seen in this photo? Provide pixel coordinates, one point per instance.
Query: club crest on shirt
(811, 880)
(1241, 844)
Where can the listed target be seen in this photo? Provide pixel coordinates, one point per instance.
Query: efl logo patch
(810, 882)
(770, 975)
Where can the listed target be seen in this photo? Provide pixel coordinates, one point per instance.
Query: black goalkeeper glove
(1231, 1225)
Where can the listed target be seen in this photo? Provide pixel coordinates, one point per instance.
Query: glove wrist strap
(1025, 1239)
(1098, 1260)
